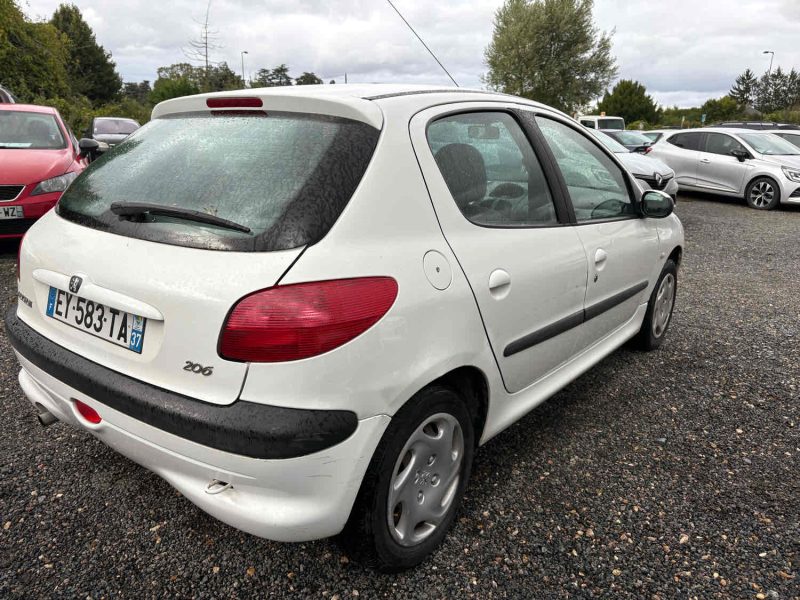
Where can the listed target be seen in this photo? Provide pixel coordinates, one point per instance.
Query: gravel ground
(672, 474)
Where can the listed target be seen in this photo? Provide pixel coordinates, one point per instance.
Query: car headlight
(54, 184)
(792, 174)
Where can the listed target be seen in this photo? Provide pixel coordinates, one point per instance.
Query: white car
(760, 167)
(650, 173)
(790, 135)
(305, 307)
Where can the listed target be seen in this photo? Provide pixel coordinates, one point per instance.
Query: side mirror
(657, 204)
(88, 147)
(742, 155)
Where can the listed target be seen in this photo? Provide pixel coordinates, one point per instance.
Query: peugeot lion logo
(75, 284)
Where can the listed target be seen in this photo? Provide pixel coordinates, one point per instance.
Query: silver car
(649, 172)
(758, 166)
(790, 135)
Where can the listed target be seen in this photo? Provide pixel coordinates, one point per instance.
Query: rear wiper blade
(132, 209)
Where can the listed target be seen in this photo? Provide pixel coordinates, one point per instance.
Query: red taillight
(234, 103)
(648, 149)
(291, 322)
(87, 412)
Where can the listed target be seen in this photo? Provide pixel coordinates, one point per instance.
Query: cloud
(682, 50)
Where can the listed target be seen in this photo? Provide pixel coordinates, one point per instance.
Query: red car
(39, 158)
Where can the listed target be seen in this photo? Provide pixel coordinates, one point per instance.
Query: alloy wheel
(761, 194)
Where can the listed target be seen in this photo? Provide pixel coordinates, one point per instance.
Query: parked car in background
(6, 97)
(655, 135)
(39, 158)
(307, 323)
(650, 172)
(634, 141)
(602, 122)
(758, 166)
(766, 125)
(792, 136)
(111, 130)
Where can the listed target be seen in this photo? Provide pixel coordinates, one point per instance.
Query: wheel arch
(762, 175)
(472, 386)
(676, 255)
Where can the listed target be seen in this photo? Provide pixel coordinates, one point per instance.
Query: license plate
(110, 324)
(12, 212)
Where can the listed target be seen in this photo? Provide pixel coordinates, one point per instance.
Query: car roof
(354, 101)
(34, 108)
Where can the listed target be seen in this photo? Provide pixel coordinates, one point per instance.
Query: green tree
(279, 76)
(550, 51)
(307, 79)
(630, 101)
(720, 109)
(166, 88)
(745, 88)
(91, 71)
(139, 92)
(220, 77)
(33, 56)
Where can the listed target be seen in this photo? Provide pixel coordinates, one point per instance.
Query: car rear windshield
(30, 130)
(115, 126)
(632, 138)
(610, 142)
(610, 124)
(284, 176)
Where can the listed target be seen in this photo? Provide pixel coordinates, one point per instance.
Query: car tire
(762, 193)
(659, 309)
(403, 484)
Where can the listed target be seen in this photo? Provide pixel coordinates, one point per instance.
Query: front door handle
(705, 161)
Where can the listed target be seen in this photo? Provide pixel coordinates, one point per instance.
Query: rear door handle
(600, 256)
(705, 161)
(499, 284)
(499, 278)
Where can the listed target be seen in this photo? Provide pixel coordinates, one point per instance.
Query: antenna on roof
(422, 42)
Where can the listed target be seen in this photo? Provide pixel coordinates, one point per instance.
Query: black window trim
(563, 209)
(635, 201)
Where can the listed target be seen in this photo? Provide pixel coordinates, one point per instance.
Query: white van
(602, 122)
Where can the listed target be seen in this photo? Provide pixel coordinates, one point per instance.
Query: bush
(78, 111)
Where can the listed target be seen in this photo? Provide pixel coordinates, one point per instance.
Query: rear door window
(687, 141)
(284, 176)
(491, 170)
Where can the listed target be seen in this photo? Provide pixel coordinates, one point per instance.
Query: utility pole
(244, 81)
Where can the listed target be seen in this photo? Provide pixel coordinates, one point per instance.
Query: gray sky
(683, 51)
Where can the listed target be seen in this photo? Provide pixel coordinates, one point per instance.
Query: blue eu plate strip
(51, 301)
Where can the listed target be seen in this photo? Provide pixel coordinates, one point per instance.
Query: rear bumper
(291, 500)
(246, 428)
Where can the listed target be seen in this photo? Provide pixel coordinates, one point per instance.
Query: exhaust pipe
(46, 418)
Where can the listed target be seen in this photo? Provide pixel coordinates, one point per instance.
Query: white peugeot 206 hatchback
(304, 308)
